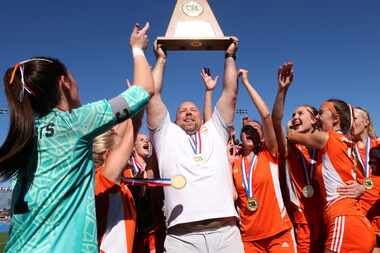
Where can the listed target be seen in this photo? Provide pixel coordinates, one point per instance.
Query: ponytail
(31, 88)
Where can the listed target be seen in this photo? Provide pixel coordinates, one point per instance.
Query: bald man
(201, 217)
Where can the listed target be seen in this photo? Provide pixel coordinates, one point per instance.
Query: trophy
(193, 26)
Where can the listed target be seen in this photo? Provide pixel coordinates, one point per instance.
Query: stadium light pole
(241, 113)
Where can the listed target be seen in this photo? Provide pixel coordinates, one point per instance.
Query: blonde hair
(100, 146)
(371, 128)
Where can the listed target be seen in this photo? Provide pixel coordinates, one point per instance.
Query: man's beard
(190, 130)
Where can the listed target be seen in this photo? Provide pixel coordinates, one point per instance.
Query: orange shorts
(280, 243)
(349, 234)
(306, 241)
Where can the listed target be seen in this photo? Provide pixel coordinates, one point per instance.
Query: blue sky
(335, 46)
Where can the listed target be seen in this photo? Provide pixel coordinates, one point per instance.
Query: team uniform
(207, 197)
(53, 207)
(268, 228)
(369, 199)
(347, 228)
(116, 215)
(370, 203)
(303, 198)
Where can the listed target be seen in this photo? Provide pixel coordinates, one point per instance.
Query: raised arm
(125, 105)
(156, 108)
(285, 78)
(124, 139)
(227, 101)
(315, 139)
(141, 73)
(262, 108)
(210, 85)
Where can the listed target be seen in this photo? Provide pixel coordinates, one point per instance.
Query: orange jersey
(299, 158)
(307, 219)
(370, 196)
(115, 215)
(369, 199)
(369, 202)
(338, 166)
(271, 217)
(346, 227)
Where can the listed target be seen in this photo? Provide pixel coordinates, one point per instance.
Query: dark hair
(252, 134)
(41, 77)
(344, 112)
(374, 154)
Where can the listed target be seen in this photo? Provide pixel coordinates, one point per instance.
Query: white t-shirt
(208, 193)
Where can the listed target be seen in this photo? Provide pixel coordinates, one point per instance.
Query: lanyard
(195, 141)
(136, 167)
(365, 165)
(248, 184)
(309, 174)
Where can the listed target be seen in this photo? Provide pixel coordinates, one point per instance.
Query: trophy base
(173, 44)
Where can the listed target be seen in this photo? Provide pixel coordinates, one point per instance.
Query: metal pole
(241, 113)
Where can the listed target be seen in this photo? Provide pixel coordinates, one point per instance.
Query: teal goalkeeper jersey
(53, 207)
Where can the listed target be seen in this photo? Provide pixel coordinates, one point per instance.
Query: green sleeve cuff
(136, 98)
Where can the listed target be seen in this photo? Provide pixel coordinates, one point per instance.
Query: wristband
(137, 52)
(230, 55)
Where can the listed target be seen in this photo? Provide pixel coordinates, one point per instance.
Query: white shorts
(225, 239)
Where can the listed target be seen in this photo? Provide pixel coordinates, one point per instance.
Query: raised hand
(233, 47)
(209, 82)
(243, 74)
(139, 37)
(285, 75)
(158, 51)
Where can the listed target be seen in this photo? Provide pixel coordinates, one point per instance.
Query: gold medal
(198, 158)
(178, 182)
(308, 191)
(368, 183)
(252, 204)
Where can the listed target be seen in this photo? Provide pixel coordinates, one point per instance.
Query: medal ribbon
(248, 184)
(195, 141)
(309, 174)
(365, 165)
(147, 181)
(136, 166)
